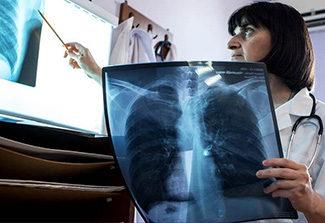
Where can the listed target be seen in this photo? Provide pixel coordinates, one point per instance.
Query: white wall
(199, 27)
(304, 5)
(319, 49)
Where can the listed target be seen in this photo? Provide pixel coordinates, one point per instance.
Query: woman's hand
(293, 182)
(81, 58)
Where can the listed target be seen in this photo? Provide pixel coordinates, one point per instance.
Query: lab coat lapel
(289, 112)
(301, 104)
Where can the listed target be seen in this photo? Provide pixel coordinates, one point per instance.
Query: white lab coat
(131, 45)
(305, 140)
(120, 43)
(141, 47)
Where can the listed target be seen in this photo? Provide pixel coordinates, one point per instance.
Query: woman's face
(250, 44)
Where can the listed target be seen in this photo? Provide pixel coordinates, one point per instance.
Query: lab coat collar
(300, 105)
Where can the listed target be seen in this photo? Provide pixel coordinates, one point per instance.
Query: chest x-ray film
(189, 138)
(19, 37)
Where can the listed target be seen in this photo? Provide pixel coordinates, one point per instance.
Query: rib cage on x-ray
(9, 33)
(153, 135)
(231, 135)
(152, 143)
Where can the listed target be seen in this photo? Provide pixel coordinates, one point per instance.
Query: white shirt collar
(300, 105)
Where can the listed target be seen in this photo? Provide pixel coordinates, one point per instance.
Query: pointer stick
(53, 30)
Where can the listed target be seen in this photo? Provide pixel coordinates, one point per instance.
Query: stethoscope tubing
(320, 132)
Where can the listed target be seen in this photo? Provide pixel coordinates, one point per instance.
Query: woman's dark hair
(291, 56)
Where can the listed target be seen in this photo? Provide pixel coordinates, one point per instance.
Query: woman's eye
(248, 32)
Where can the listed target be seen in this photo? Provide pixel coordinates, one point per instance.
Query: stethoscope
(320, 131)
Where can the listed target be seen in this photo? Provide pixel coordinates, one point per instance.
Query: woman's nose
(233, 43)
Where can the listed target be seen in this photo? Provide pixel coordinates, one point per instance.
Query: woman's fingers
(281, 162)
(73, 63)
(282, 184)
(279, 173)
(293, 181)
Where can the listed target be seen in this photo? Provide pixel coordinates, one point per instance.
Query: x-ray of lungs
(189, 138)
(19, 39)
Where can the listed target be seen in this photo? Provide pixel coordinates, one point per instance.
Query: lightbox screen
(36, 82)
(189, 138)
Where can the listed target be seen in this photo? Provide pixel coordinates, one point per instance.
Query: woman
(276, 34)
